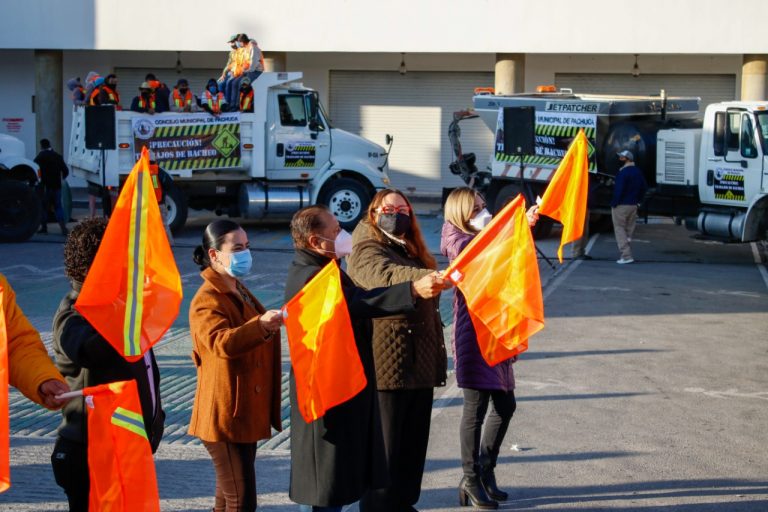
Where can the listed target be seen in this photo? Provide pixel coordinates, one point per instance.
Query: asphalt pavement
(646, 390)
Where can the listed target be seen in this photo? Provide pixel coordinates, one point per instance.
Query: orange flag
(120, 463)
(498, 273)
(565, 199)
(132, 293)
(5, 425)
(326, 364)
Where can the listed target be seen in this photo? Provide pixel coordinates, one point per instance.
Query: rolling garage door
(416, 108)
(129, 80)
(710, 88)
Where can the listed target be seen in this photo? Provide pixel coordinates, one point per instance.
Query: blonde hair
(458, 208)
(414, 240)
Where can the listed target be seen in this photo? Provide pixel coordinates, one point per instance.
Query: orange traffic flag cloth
(132, 292)
(565, 199)
(120, 464)
(326, 364)
(5, 425)
(498, 273)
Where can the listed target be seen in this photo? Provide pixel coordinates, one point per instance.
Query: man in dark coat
(336, 458)
(85, 359)
(53, 171)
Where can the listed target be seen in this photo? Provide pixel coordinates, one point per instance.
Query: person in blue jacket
(628, 193)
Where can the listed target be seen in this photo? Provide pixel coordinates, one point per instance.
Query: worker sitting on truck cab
(246, 95)
(146, 101)
(182, 99)
(108, 94)
(212, 100)
(232, 69)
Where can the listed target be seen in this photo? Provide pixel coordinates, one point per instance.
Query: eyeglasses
(405, 210)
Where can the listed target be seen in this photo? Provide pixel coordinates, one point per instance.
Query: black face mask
(396, 224)
(183, 91)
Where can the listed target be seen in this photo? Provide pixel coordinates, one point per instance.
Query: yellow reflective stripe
(134, 303)
(129, 420)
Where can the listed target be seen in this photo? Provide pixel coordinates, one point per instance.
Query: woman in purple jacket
(465, 216)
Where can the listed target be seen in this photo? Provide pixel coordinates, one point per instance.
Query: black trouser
(70, 468)
(475, 453)
(235, 475)
(405, 419)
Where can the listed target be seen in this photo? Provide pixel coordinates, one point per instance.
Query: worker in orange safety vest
(212, 100)
(246, 95)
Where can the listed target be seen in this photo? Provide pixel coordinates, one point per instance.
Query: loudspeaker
(100, 127)
(519, 130)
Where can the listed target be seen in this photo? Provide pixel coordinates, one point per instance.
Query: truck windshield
(762, 126)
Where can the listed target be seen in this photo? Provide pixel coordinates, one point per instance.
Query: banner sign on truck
(553, 133)
(189, 142)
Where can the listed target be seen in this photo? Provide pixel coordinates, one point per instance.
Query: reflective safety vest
(114, 97)
(78, 92)
(154, 173)
(94, 99)
(143, 103)
(214, 102)
(246, 101)
(179, 101)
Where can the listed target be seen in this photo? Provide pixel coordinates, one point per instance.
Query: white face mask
(481, 220)
(342, 244)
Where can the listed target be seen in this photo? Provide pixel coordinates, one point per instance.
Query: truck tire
(20, 211)
(176, 207)
(347, 199)
(544, 225)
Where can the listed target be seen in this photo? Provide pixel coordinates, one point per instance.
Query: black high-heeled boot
(471, 492)
(488, 479)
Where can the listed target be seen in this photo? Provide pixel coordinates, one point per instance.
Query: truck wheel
(506, 194)
(176, 208)
(347, 199)
(20, 211)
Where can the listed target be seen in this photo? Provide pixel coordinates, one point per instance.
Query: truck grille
(674, 162)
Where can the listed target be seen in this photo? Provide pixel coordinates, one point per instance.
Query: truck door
(299, 147)
(734, 161)
(762, 136)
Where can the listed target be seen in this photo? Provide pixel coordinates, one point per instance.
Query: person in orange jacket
(30, 369)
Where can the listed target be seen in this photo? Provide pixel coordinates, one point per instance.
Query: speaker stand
(106, 199)
(529, 199)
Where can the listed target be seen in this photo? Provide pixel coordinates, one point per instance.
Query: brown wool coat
(238, 366)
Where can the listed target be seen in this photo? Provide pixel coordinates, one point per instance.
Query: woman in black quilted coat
(409, 350)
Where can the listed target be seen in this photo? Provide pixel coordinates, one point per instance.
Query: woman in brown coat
(409, 351)
(236, 349)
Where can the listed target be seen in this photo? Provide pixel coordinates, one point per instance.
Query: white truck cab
(726, 163)
(269, 163)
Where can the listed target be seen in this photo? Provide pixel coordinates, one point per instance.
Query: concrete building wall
(425, 26)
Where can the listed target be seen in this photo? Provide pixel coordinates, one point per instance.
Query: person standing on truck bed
(77, 90)
(162, 93)
(108, 94)
(246, 95)
(182, 99)
(93, 96)
(146, 101)
(212, 100)
(52, 171)
(628, 193)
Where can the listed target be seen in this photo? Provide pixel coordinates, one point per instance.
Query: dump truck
(266, 164)
(711, 173)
